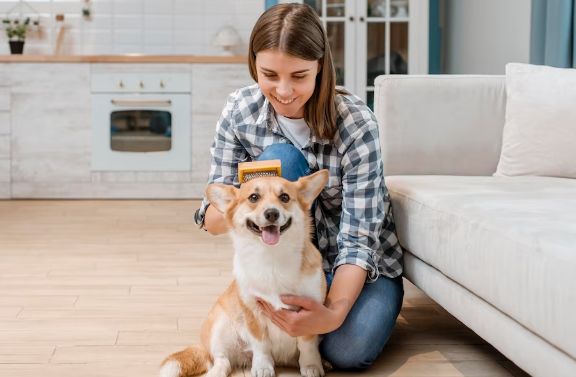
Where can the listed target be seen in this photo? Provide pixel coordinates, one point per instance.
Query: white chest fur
(267, 272)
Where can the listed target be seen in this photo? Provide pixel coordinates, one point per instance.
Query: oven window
(140, 131)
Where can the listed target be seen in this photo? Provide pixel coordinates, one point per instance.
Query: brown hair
(295, 29)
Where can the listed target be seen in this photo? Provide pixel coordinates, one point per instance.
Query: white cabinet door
(369, 38)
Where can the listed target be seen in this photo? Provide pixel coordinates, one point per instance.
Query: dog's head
(268, 208)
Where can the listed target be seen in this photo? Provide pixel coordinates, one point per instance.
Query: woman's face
(287, 81)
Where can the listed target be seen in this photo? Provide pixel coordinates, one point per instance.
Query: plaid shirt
(353, 216)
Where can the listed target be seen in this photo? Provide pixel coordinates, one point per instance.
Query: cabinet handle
(127, 102)
(361, 19)
(351, 18)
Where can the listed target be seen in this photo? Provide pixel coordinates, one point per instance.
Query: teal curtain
(434, 38)
(553, 33)
(269, 3)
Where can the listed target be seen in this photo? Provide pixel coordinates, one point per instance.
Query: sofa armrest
(440, 124)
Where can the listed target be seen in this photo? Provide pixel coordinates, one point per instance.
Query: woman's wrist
(339, 311)
(346, 286)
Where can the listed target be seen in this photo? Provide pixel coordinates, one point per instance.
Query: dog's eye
(254, 198)
(285, 198)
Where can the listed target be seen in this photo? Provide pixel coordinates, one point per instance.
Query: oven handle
(139, 102)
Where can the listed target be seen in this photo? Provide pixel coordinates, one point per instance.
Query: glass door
(399, 19)
(386, 42)
(333, 16)
(369, 38)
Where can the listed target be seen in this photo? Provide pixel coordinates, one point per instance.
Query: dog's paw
(263, 372)
(312, 371)
(327, 366)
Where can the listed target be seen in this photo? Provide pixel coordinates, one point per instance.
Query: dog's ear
(310, 186)
(220, 195)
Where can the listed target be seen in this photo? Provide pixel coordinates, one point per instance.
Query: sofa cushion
(447, 124)
(538, 137)
(509, 240)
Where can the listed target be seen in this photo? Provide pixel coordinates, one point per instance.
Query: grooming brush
(257, 169)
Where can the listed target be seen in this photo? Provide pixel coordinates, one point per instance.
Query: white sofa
(499, 253)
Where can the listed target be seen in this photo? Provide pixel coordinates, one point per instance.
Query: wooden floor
(109, 288)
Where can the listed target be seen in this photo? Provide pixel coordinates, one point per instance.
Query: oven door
(141, 132)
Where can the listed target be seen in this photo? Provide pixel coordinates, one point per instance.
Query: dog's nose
(271, 214)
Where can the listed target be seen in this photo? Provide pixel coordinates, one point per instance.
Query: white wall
(177, 27)
(481, 36)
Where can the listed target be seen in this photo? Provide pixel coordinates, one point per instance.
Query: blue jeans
(294, 164)
(359, 341)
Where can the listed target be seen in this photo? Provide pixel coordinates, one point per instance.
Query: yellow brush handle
(255, 169)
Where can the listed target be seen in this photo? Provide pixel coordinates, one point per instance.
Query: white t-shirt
(296, 130)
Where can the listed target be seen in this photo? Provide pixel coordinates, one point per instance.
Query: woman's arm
(346, 287)
(214, 221)
(314, 317)
(226, 152)
(362, 238)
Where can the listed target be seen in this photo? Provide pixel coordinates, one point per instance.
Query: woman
(295, 113)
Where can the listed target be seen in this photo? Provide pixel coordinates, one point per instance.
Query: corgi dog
(270, 226)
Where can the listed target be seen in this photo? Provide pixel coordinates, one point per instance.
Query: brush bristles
(258, 169)
(259, 174)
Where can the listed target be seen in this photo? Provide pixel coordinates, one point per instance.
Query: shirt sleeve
(364, 202)
(226, 152)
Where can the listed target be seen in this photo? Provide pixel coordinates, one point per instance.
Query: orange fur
(254, 326)
(312, 260)
(232, 305)
(193, 360)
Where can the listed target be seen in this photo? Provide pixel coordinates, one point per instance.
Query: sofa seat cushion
(509, 240)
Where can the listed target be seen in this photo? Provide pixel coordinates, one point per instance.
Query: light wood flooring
(109, 288)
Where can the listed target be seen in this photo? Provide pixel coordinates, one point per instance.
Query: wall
(135, 26)
(5, 130)
(480, 37)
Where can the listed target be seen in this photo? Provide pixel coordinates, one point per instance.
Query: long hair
(295, 29)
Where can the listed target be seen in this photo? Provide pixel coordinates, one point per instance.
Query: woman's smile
(284, 101)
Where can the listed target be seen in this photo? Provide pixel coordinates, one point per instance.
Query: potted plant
(16, 32)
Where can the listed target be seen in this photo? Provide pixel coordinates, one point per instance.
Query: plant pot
(16, 47)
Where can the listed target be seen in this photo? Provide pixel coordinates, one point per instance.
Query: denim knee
(294, 164)
(350, 353)
(359, 341)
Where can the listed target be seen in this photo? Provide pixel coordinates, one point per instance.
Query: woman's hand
(312, 318)
(315, 318)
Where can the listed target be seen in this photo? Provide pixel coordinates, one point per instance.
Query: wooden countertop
(121, 59)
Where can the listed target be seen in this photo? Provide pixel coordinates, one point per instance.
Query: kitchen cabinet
(5, 147)
(46, 136)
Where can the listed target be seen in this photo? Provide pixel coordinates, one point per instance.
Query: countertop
(121, 59)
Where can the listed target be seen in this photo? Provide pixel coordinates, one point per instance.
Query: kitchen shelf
(122, 59)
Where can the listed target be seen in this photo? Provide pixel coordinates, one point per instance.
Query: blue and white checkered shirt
(353, 216)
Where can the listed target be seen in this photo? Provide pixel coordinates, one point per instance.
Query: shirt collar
(317, 140)
(266, 116)
(267, 119)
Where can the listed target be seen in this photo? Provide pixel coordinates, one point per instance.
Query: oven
(141, 122)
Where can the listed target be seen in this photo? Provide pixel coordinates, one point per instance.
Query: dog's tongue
(271, 235)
